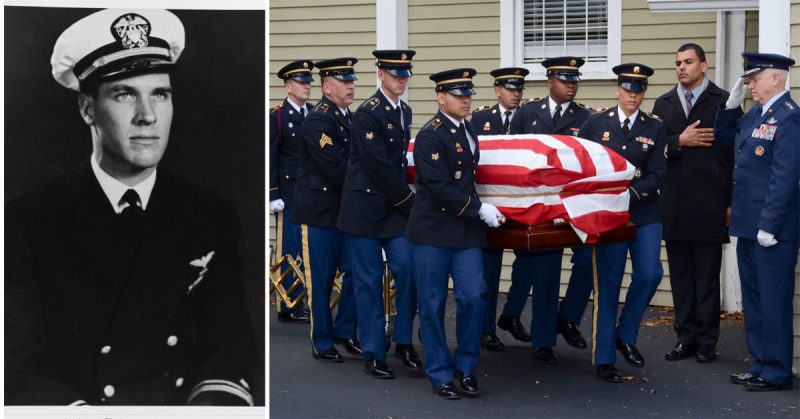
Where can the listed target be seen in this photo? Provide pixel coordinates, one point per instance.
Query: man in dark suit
(323, 163)
(285, 123)
(765, 214)
(447, 229)
(123, 282)
(376, 201)
(696, 198)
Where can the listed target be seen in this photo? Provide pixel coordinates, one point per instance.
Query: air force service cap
(299, 71)
(564, 68)
(456, 82)
(396, 62)
(117, 43)
(340, 68)
(756, 61)
(632, 76)
(512, 78)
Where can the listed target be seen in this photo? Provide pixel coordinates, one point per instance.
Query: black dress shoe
(467, 383)
(630, 353)
(571, 334)
(298, 314)
(329, 355)
(378, 369)
(706, 357)
(609, 373)
(681, 351)
(760, 384)
(514, 326)
(490, 342)
(447, 391)
(352, 346)
(408, 355)
(545, 355)
(741, 378)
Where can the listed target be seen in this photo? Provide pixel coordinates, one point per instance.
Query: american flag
(534, 179)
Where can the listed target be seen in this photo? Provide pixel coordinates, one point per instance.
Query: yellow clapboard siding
(324, 27)
(428, 11)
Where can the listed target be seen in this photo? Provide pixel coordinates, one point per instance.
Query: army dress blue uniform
(644, 147)
(376, 202)
(766, 197)
(323, 163)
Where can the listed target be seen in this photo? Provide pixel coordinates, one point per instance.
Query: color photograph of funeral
(530, 208)
(134, 201)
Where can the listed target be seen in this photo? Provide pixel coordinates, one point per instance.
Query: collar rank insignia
(788, 105)
(452, 130)
(544, 106)
(369, 135)
(435, 156)
(772, 120)
(487, 126)
(131, 30)
(494, 111)
(387, 108)
(325, 140)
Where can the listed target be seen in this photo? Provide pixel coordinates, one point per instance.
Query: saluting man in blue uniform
(447, 229)
(323, 163)
(765, 213)
(376, 202)
(641, 139)
(509, 83)
(285, 122)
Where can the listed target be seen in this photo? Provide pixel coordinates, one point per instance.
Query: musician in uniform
(641, 139)
(323, 163)
(376, 202)
(447, 229)
(509, 83)
(123, 282)
(285, 137)
(765, 214)
(540, 271)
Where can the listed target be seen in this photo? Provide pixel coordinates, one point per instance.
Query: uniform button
(459, 162)
(109, 390)
(324, 188)
(172, 340)
(105, 350)
(391, 140)
(287, 176)
(179, 382)
(735, 166)
(368, 190)
(292, 134)
(734, 182)
(740, 150)
(623, 147)
(442, 209)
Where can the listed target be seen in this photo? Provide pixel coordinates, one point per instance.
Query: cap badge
(573, 63)
(516, 72)
(465, 75)
(759, 151)
(305, 65)
(131, 30)
(636, 69)
(349, 63)
(403, 56)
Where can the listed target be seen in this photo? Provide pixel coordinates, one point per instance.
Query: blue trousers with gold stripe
(323, 253)
(287, 241)
(580, 286)
(431, 268)
(647, 273)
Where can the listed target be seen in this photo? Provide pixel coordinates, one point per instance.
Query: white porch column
(391, 21)
(774, 27)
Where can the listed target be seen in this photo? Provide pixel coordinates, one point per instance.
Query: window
(533, 30)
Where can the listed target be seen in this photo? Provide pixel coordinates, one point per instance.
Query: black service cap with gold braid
(299, 71)
(564, 68)
(633, 76)
(340, 68)
(396, 62)
(456, 82)
(512, 78)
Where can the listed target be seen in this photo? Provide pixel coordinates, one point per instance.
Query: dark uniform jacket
(488, 120)
(285, 137)
(323, 165)
(767, 168)
(376, 198)
(697, 190)
(88, 314)
(533, 117)
(445, 212)
(644, 148)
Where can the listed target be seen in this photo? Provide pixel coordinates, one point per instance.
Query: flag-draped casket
(536, 180)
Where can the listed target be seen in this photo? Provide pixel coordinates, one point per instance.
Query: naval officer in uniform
(447, 229)
(765, 213)
(376, 202)
(641, 139)
(285, 123)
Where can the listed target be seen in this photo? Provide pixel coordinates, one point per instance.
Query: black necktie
(557, 116)
(625, 128)
(507, 122)
(302, 113)
(399, 113)
(132, 216)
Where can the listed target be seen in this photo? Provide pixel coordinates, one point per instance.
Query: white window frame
(512, 42)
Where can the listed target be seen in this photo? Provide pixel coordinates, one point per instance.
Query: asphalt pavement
(514, 385)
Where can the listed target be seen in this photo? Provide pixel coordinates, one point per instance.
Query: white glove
(737, 95)
(276, 205)
(766, 239)
(491, 215)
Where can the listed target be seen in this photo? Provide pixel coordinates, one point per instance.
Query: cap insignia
(516, 71)
(305, 65)
(349, 63)
(131, 30)
(465, 75)
(636, 69)
(573, 62)
(403, 56)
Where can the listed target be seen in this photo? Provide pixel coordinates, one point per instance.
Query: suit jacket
(284, 150)
(376, 198)
(323, 165)
(697, 190)
(445, 212)
(488, 120)
(644, 148)
(533, 117)
(89, 317)
(767, 168)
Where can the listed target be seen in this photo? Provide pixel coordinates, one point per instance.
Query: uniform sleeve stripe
(404, 199)
(469, 199)
(222, 385)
